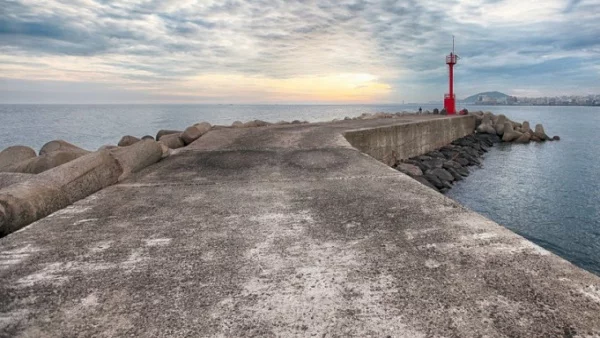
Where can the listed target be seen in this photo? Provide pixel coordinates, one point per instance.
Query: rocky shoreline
(441, 168)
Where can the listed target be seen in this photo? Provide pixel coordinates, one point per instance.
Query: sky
(304, 51)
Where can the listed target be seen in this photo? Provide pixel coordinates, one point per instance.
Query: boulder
(148, 137)
(127, 140)
(434, 163)
(526, 128)
(556, 138)
(194, 132)
(435, 154)
(471, 159)
(166, 151)
(256, 123)
(107, 147)
(423, 158)
(436, 111)
(500, 124)
(540, 133)
(40, 195)
(44, 162)
(455, 174)
(237, 124)
(172, 141)
(296, 122)
(525, 138)
(464, 172)
(510, 134)
(137, 157)
(409, 169)
(15, 154)
(443, 112)
(486, 126)
(425, 182)
(462, 161)
(442, 174)
(451, 164)
(434, 180)
(61, 145)
(8, 179)
(164, 132)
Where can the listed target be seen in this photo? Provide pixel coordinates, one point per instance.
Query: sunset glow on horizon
(351, 51)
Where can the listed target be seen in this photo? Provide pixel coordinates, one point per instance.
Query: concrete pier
(287, 231)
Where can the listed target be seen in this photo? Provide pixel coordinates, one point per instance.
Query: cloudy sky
(304, 51)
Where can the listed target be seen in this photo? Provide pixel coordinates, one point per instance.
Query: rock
(127, 140)
(204, 125)
(525, 138)
(478, 120)
(8, 179)
(486, 126)
(192, 133)
(15, 154)
(61, 145)
(472, 159)
(434, 180)
(540, 133)
(107, 147)
(256, 123)
(347, 118)
(409, 169)
(419, 164)
(535, 139)
(44, 162)
(469, 151)
(500, 124)
(436, 111)
(172, 141)
(425, 182)
(296, 122)
(434, 163)
(451, 164)
(464, 172)
(556, 138)
(442, 174)
(166, 151)
(26, 202)
(164, 132)
(455, 174)
(462, 161)
(443, 112)
(525, 127)
(435, 154)
(148, 137)
(510, 134)
(237, 124)
(423, 158)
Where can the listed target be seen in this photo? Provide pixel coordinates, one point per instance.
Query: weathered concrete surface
(391, 143)
(283, 231)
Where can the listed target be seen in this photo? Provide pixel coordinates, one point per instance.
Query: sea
(547, 192)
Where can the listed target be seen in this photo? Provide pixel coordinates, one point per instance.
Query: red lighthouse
(449, 99)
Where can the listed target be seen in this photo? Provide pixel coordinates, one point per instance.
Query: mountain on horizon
(495, 95)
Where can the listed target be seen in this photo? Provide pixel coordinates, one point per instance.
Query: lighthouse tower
(449, 99)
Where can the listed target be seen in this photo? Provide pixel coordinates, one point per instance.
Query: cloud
(180, 46)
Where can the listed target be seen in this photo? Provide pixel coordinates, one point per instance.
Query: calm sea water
(91, 126)
(548, 192)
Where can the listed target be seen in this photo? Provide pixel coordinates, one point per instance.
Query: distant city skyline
(170, 51)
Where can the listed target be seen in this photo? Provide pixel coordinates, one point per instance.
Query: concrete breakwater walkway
(288, 231)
